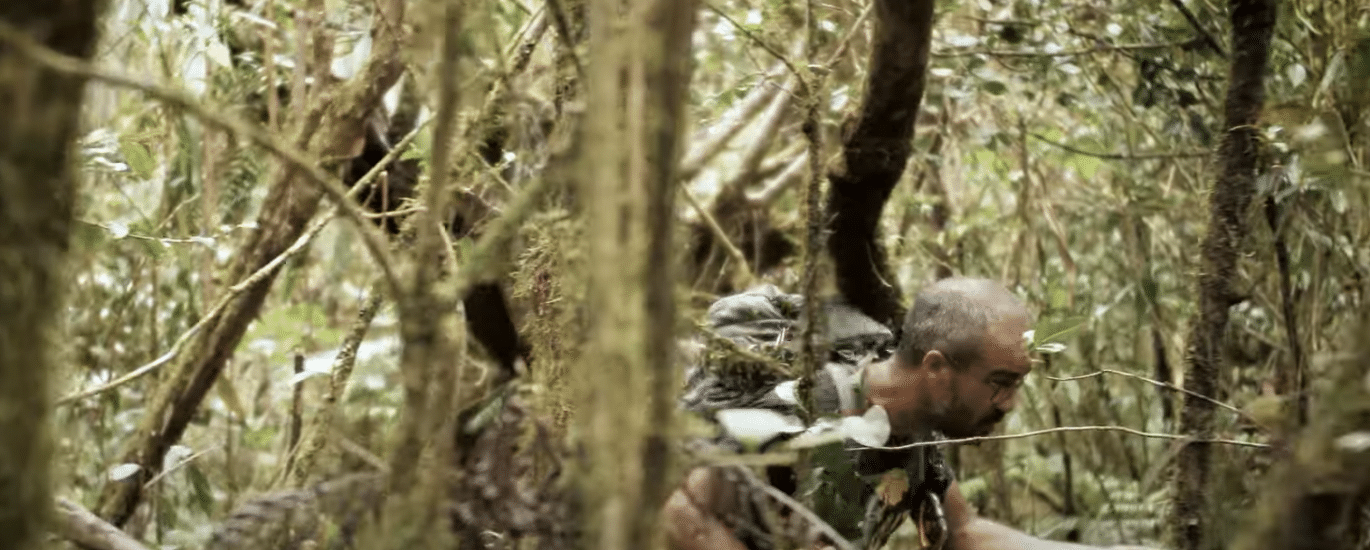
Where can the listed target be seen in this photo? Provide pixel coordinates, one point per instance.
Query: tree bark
(874, 155)
(37, 193)
(637, 78)
(1253, 22)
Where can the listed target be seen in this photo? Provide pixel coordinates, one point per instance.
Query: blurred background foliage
(1063, 147)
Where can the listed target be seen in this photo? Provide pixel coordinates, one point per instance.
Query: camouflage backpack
(741, 361)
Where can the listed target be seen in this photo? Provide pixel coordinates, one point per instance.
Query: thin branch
(301, 462)
(87, 530)
(1047, 431)
(716, 139)
(1101, 48)
(294, 158)
(837, 540)
(720, 235)
(563, 24)
(1194, 22)
(793, 173)
(184, 462)
(856, 26)
(246, 283)
(732, 347)
(296, 407)
(480, 266)
(769, 131)
(424, 309)
(764, 45)
(1155, 382)
(213, 314)
(1124, 156)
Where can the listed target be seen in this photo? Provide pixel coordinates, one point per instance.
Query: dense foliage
(1066, 148)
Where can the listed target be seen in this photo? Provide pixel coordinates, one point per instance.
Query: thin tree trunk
(37, 193)
(666, 74)
(874, 154)
(637, 78)
(1253, 22)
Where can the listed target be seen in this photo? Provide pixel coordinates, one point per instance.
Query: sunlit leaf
(1296, 74)
(219, 54)
(756, 426)
(1051, 347)
(825, 431)
(871, 429)
(962, 40)
(786, 391)
(123, 471)
(893, 485)
(1057, 329)
(304, 375)
(1356, 442)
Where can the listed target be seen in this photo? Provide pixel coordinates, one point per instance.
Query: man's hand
(689, 515)
(969, 532)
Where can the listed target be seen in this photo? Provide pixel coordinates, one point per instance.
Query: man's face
(978, 396)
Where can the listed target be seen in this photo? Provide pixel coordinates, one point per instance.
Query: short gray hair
(951, 316)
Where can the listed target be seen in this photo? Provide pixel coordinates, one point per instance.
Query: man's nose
(1007, 403)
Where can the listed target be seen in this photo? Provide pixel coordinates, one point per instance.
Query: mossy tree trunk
(637, 79)
(1253, 22)
(37, 190)
(874, 154)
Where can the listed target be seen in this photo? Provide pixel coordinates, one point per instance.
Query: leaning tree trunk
(638, 75)
(874, 155)
(37, 190)
(1253, 22)
(330, 127)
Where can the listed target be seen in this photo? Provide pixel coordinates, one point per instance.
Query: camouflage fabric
(740, 365)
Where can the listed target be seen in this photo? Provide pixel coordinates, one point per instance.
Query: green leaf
(1056, 330)
(228, 393)
(204, 496)
(994, 87)
(138, 158)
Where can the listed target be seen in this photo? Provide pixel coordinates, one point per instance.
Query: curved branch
(874, 155)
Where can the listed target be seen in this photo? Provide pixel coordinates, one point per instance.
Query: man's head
(960, 359)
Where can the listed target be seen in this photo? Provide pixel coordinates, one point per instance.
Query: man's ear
(937, 372)
(934, 362)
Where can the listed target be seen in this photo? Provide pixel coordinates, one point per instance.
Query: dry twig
(1035, 433)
